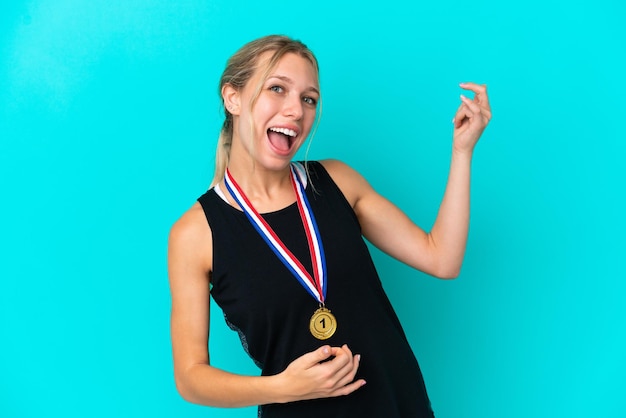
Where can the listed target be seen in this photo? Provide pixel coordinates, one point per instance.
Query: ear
(232, 99)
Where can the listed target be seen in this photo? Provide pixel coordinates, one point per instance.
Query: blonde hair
(239, 69)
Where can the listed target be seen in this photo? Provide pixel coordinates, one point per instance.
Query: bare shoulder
(190, 239)
(352, 184)
(192, 226)
(336, 167)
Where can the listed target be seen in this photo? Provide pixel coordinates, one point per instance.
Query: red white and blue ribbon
(315, 285)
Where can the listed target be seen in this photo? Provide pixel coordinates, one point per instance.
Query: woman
(297, 282)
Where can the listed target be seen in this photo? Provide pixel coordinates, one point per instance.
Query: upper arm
(383, 223)
(189, 266)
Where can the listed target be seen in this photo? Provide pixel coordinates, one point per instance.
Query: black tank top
(270, 309)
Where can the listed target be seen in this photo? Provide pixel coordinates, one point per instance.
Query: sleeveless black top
(270, 309)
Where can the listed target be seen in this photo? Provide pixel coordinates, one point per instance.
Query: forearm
(448, 236)
(325, 372)
(206, 385)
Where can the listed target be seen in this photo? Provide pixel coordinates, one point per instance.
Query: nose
(293, 107)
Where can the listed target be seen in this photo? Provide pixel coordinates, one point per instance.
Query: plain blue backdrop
(109, 116)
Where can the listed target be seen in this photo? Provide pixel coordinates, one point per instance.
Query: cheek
(310, 118)
(261, 113)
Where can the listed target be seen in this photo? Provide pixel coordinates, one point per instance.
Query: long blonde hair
(239, 69)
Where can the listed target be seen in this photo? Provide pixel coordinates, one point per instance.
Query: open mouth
(282, 139)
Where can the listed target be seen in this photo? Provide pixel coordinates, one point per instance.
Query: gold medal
(323, 324)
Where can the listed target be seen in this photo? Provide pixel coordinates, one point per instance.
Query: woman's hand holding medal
(323, 373)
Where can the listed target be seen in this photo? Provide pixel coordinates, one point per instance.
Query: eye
(277, 89)
(310, 100)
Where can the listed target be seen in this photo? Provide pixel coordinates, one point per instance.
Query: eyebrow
(290, 81)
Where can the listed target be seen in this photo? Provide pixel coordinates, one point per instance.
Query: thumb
(313, 358)
(321, 354)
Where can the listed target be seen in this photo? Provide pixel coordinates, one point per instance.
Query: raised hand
(323, 373)
(471, 118)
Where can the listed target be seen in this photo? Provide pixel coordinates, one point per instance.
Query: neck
(267, 190)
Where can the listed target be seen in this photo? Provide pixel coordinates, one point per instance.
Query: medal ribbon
(316, 285)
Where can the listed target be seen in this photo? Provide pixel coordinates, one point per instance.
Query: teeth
(288, 132)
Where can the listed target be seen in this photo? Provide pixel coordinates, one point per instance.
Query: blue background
(109, 116)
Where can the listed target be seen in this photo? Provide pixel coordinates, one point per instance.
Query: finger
(351, 373)
(348, 369)
(476, 110)
(315, 357)
(347, 350)
(340, 366)
(461, 115)
(471, 105)
(348, 389)
(344, 382)
(341, 351)
(480, 91)
(457, 119)
(341, 358)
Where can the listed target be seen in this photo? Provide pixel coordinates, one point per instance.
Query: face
(283, 114)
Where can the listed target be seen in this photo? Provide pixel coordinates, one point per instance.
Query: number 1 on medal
(323, 324)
